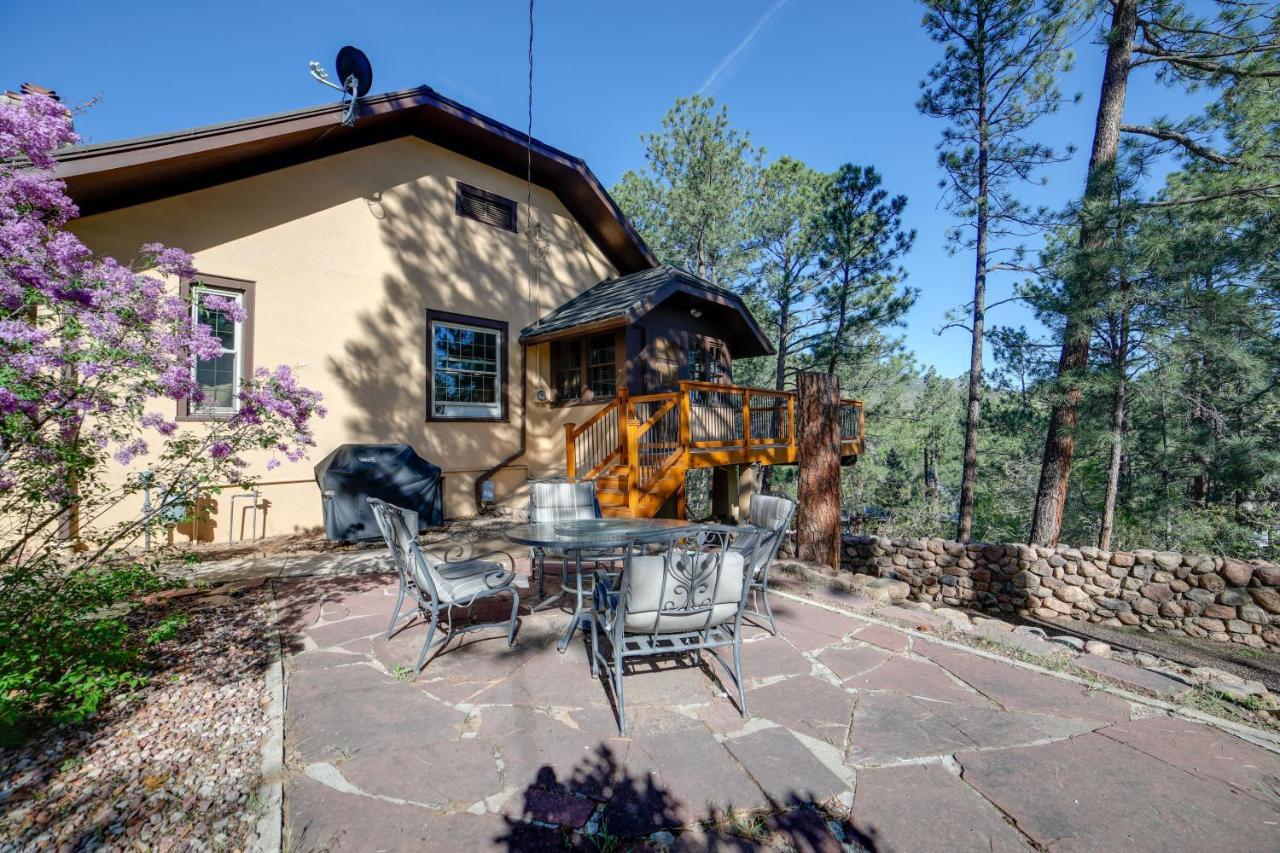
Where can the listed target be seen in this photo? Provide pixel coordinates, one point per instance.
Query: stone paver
(1085, 794)
(1134, 677)
(1206, 752)
(785, 769)
(856, 732)
(850, 661)
(959, 819)
(917, 678)
(1021, 690)
(891, 727)
(806, 705)
(888, 638)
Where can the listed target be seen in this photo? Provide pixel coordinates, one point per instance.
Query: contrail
(732, 55)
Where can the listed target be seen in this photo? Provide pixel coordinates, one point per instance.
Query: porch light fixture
(695, 313)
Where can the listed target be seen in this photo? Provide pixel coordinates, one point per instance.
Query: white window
(218, 377)
(466, 370)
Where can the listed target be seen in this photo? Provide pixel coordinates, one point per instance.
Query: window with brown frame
(585, 369)
(664, 365)
(221, 377)
(482, 206)
(705, 360)
(466, 378)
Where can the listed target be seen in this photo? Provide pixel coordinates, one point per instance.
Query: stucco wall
(347, 254)
(1192, 594)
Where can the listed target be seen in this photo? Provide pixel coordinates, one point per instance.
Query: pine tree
(690, 203)
(998, 77)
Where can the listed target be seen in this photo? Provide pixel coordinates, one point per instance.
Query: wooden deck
(638, 448)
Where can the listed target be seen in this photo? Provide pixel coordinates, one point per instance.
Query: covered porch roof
(623, 301)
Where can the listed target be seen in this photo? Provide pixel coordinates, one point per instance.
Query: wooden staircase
(638, 448)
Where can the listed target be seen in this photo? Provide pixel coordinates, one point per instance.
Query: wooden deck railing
(703, 423)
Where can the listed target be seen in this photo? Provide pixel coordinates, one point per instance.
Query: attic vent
(475, 203)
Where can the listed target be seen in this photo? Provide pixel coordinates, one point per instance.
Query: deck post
(624, 412)
(818, 455)
(686, 420)
(571, 452)
(746, 418)
(631, 428)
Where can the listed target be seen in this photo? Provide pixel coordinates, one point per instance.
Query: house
(448, 283)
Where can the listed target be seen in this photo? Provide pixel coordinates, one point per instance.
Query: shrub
(90, 349)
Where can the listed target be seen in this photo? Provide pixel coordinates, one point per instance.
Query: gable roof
(624, 300)
(110, 175)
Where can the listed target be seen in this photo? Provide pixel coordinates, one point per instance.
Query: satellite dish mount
(356, 74)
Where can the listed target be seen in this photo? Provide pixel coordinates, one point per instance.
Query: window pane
(465, 379)
(602, 376)
(222, 326)
(217, 377)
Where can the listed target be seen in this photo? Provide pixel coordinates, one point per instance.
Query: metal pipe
(489, 474)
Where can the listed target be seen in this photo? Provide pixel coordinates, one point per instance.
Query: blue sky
(825, 81)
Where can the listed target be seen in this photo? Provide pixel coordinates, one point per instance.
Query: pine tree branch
(1261, 191)
(1167, 135)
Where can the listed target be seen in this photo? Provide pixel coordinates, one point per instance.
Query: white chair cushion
(561, 501)
(646, 587)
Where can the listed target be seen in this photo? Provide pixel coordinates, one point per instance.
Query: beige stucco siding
(347, 255)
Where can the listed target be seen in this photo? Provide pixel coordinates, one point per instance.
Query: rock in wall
(1200, 596)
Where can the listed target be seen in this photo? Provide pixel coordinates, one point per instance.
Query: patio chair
(674, 597)
(436, 586)
(770, 517)
(563, 499)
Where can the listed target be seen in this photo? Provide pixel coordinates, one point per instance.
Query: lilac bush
(92, 354)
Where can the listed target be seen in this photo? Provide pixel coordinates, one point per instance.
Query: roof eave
(108, 176)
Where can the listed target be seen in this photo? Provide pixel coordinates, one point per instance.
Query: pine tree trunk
(969, 470)
(969, 474)
(1113, 470)
(1059, 446)
(779, 380)
(818, 447)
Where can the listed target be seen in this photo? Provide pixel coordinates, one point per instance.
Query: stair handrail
(636, 487)
(572, 431)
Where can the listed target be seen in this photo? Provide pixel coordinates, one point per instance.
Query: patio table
(600, 536)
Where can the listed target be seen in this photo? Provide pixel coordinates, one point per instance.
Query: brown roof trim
(110, 175)
(577, 331)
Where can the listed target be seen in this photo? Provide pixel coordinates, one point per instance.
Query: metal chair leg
(515, 613)
(617, 691)
(768, 611)
(737, 675)
(395, 615)
(431, 632)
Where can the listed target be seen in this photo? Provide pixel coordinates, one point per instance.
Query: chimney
(10, 97)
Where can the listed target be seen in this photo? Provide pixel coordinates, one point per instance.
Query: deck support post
(748, 485)
(818, 455)
(724, 491)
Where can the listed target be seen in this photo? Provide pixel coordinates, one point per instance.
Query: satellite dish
(356, 73)
(352, 63)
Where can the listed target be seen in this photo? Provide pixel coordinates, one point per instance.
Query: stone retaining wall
(1200, 596)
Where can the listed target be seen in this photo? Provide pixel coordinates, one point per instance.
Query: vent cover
(475, 203)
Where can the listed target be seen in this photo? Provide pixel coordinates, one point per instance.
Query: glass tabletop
(594, 532)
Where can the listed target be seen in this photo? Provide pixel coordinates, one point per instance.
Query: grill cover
(392, 472)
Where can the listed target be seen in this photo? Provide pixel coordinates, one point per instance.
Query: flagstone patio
(860, 737)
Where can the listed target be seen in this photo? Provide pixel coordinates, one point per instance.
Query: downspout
(519, 451)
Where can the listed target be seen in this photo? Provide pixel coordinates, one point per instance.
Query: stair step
(611, 497)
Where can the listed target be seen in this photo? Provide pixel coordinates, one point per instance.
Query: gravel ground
(175, 766)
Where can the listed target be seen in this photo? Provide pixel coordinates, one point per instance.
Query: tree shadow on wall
(444, 262)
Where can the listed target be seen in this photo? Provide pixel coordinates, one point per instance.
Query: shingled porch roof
(624, 300)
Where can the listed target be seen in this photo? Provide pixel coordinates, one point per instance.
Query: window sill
(580, 401)
(447, 419)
